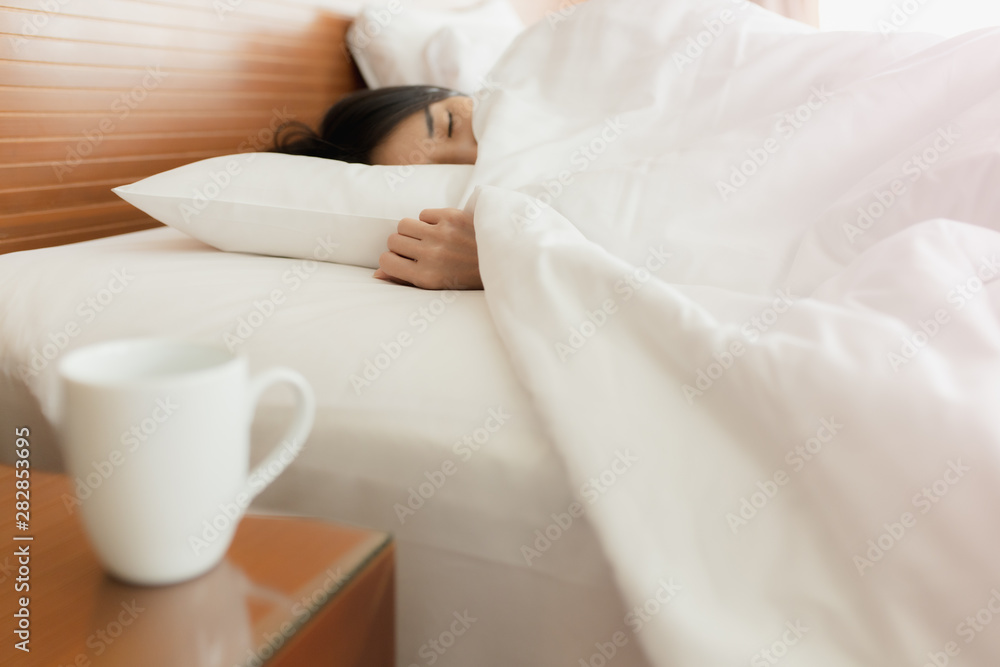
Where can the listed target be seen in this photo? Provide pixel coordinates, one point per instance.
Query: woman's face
(440, 134)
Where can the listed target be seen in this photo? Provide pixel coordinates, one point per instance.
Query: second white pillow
(398, 45)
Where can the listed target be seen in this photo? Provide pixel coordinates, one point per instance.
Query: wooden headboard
(98, 93)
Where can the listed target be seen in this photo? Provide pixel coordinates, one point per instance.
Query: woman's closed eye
(446, 126)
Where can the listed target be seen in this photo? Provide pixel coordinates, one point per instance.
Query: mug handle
(295, 435)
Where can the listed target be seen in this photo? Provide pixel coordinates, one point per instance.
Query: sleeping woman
(404, 125)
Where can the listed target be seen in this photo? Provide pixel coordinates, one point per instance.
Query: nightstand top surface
(278, 574)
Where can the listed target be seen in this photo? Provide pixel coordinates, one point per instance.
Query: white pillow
(395, 45)
(296, 206)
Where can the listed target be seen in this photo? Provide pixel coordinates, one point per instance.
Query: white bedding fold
(808, 414)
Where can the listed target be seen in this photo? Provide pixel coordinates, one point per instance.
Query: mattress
(421, 429)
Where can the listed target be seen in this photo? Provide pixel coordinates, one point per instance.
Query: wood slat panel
(226, 15)
(76, 118)
(69, 152)
(60, 219)
(31, 20)
(296, 10)
(130, 169)
(75, 235)
(25, 201)
(307, 41)
(114, 102)
(41, 49)
(48, 75)
(31, 125)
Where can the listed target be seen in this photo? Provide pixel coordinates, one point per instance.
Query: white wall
(946, 17)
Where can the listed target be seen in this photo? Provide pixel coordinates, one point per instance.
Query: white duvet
(750, 275)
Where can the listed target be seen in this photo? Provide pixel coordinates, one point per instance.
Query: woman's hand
(438, 251)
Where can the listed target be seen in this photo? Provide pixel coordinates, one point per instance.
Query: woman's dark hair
(356, 124)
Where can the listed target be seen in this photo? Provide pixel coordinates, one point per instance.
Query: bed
(722, 371)
(83, 114)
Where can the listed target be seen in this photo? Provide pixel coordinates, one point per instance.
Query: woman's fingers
(396, 268)
(405, 246)
(433, 216)
(413, 228)
(436, 252)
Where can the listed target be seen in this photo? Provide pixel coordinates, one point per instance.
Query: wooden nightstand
(291, 593)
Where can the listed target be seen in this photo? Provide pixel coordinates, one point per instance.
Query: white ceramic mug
(156, 438)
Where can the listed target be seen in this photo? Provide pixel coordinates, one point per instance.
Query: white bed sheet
(462, 549)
